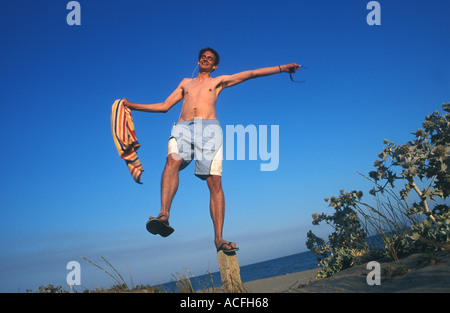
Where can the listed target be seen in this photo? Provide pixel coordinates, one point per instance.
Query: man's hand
(127, 103)
(289, 68)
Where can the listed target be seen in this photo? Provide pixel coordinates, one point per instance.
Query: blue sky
(66, 193)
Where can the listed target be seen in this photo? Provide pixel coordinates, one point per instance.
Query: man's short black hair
(213, 52)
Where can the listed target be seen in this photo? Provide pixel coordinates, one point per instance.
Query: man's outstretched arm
(162, 107)
(231, 80)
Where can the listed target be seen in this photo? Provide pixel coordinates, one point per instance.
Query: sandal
(158, 227)
(231, 250)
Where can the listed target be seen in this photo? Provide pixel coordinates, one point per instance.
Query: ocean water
(271, 268)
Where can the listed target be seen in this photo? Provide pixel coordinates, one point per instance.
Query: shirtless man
(199, 97)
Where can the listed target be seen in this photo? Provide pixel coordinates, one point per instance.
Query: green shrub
(402, 228)
(347, 244)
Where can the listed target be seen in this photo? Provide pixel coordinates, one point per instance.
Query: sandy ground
(416, 273)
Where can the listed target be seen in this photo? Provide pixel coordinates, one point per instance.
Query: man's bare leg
(169, 184)
(217, 208)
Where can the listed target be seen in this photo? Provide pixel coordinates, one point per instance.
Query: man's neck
(202, 76)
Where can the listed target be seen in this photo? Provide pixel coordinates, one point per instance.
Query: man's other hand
(290, 68)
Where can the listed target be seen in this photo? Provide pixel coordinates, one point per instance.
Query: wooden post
(230, 272)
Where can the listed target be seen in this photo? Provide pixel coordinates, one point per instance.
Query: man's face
(206, 62)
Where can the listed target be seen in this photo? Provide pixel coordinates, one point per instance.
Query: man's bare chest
(195, 89)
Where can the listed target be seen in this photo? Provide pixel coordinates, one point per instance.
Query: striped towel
(125, 138)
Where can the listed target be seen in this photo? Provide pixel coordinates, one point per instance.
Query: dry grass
(182, 282)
